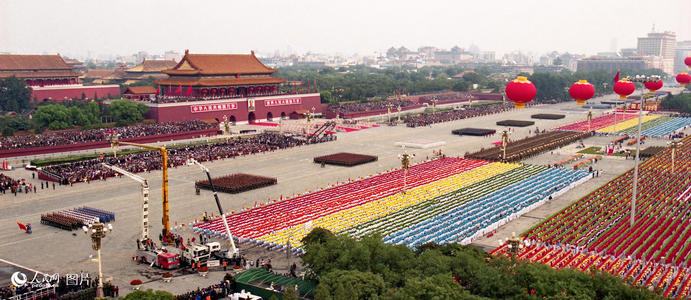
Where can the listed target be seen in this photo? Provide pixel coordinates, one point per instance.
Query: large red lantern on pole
(582, 91)
(653, 85)
(683, 78)
(623, 88)
(687, 61)
(520, 91)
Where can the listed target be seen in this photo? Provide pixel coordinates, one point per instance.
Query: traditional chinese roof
(139, 90)
(108, 74)
(151, 66)
(15, 62)
(219, 64)
(38, 74)
(194, 81)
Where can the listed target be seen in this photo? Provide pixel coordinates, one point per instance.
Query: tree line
(361, 83)
(56, 116)
(681, 103)
(370, 269)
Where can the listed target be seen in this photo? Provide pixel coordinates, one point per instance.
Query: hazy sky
(79, 27)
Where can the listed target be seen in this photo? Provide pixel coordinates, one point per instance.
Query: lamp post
(642, 79)
(674, 145)
(434, 104)
(388, 113)
(97, 233)
(399, 114)
(405, 163)
(504, 142)
(590, 117)
(514, 244)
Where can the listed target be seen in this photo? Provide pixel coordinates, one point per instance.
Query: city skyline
(82, 29)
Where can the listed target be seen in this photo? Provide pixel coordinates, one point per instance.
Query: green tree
(325, 96)
(14, 94)
(149, 295)
(127, 112)
(53, 116)
(290, 294)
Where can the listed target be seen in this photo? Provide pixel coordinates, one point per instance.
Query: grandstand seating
(668, 127)
(480, 193)
(654, 252)
(597, 123)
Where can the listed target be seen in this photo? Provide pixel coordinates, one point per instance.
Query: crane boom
(231, 244)
(145, 197)
(165, 220)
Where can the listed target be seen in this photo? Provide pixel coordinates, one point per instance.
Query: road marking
(21, 267)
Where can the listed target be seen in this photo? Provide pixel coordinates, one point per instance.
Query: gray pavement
(52, 250)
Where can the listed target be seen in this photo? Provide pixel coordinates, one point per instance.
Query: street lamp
(642, 79)
(405, 164)
(97, 233)
(674, 144)
(514, 244)
(504, 142)
(434, 104)
(399, 114)
(388, 113)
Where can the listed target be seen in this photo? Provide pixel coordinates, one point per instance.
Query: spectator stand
(236, 183)
(345, 159)
(91, 169)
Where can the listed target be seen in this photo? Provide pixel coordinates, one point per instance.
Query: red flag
(21, 226)
(189, 90)
(178, 90)
(616, 77)
(170, 88)
(158, 90)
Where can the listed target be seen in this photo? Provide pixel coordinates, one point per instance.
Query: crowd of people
(89, 170)
(443, 97)
(368, 106)
(217, 291)
(63, 287)
(75, 136)
(14, 186)
(452, 115)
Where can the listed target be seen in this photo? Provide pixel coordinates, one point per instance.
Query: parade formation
(598, 183)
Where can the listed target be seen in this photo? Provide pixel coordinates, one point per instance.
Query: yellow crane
(114, 143)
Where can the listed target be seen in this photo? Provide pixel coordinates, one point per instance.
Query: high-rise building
(660, 44)
(682, 51)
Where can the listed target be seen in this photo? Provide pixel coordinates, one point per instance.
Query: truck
(161, 259)
(200, 253)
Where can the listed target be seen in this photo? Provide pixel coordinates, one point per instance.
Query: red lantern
(582, 91)
(653, 85)
(687, 61)
(520, 91)
(623, 88)
(683, 78)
